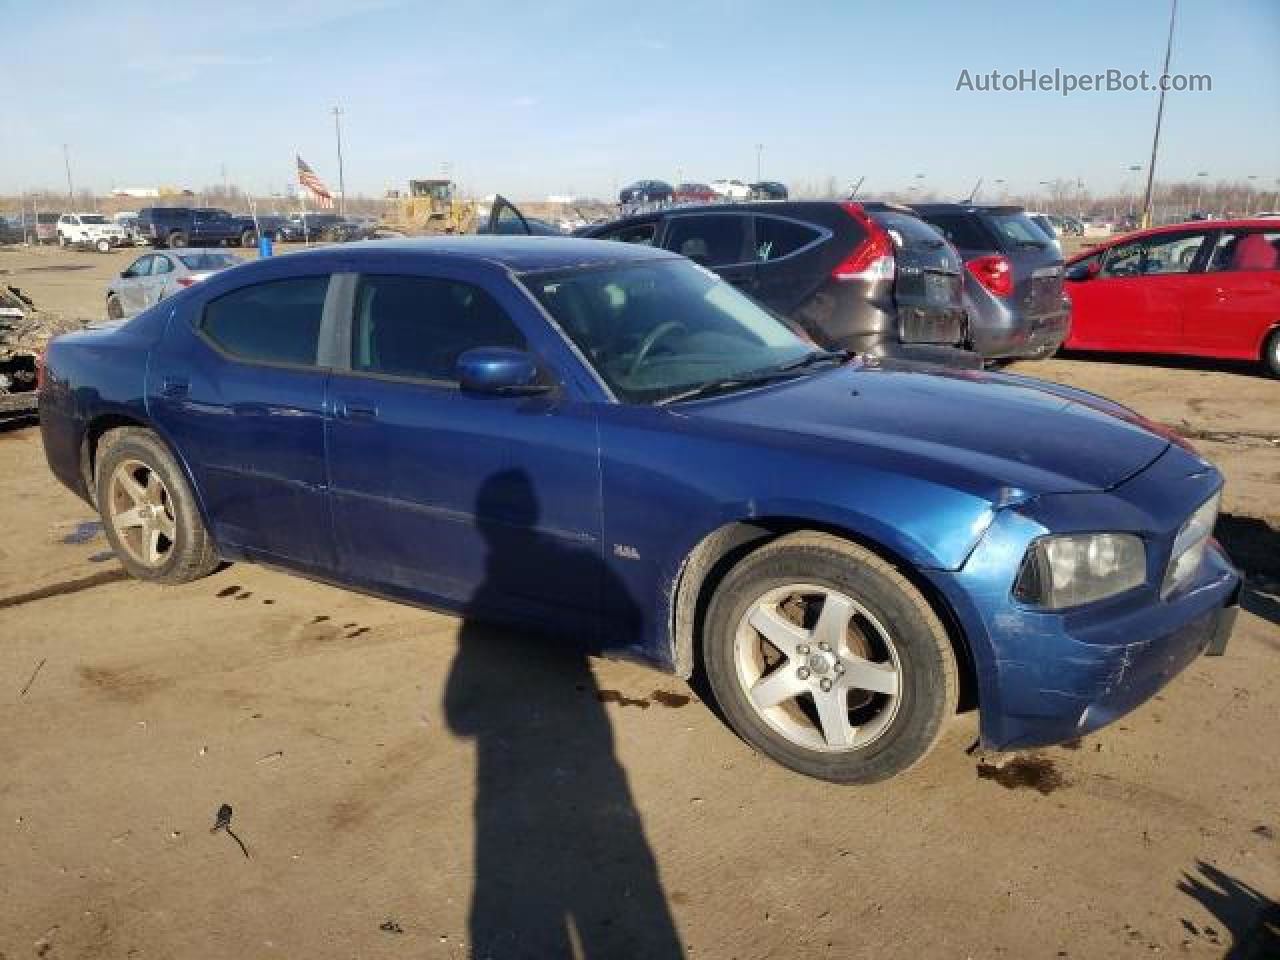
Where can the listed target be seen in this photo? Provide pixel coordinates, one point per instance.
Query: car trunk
(1036, 263)
(928, 284)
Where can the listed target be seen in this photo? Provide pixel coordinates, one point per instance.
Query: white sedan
(732, 189)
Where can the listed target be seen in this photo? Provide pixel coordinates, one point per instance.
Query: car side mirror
(499, 370)
(1083, 271)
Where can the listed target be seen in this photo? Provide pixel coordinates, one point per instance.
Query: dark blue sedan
(610, 445)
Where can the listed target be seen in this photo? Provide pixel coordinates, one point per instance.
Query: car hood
(1002, 437)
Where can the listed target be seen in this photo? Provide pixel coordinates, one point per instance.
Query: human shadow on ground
(562, 864)
(1251, 917)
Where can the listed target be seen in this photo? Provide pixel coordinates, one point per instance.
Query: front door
(239, 389)
(474, 500)
(1136, 301)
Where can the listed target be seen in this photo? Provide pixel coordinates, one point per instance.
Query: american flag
(307, 177)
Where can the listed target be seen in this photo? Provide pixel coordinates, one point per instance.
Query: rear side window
(161, 264)
(1246, 250)
(418, 326)
(275, 322)
(777, 238)
(963, 230)
(713, 240)
(907, 231)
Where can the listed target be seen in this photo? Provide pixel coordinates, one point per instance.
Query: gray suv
(1013, 279)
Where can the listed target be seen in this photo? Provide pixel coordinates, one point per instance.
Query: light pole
(1130, 192)
(342, 183)
(66, 161)
(1045, 183)
(1200, 178)
(1155, 139)
(1248, 196)
(759, 151)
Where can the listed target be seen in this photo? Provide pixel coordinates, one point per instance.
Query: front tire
(177, 239)
(248, 239)
(149, 510)
(825, 658)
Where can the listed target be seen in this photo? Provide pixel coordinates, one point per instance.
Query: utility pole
(1155, 140)
(66, 160)
(226, 193)
(342, 184)
(759, 151)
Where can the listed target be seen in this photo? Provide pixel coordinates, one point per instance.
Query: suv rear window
(962, 229)
(908, 231)
(777, 238)
(1017, 230)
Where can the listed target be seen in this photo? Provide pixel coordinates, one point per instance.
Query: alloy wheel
(818, 668)
(141, 513)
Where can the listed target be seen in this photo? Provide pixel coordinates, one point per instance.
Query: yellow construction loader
(428, 207)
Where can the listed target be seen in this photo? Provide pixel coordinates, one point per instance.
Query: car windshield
(92, 218)
(208, 261)
(660, 329)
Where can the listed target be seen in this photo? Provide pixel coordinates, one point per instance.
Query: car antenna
(973, 194)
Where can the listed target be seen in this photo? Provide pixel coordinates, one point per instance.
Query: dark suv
(1013, 281)
(871, 278)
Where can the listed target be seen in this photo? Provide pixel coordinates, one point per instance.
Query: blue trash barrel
(264, 244)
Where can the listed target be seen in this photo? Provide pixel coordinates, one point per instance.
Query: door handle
(354, 409)
(174, 386)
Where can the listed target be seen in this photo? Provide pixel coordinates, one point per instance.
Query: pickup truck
(194, 227)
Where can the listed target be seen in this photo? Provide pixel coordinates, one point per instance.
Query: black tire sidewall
(146, 447)
(1271, 362)
(928, 691)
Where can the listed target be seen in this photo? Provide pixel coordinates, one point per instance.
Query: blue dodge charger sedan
(611, 446)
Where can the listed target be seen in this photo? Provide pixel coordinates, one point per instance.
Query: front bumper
(1045, 677)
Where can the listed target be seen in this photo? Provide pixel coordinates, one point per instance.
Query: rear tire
(149, 510)
(825, 658)
(1271, 354)
(114, 310)
(248, 239)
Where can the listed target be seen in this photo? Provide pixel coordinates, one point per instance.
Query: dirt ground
(407, 784)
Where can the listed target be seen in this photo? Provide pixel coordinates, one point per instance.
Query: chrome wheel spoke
(131, 487)
(166, 525)
(127, 519)
(833, 718)
(777, 687)
(155, 489)
(153, 546)
(860, 674)
(775, 628)
(833, 621)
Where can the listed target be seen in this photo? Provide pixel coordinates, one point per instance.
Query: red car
(1209, 289)
(694, 193)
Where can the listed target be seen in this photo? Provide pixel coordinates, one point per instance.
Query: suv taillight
(873, 258)
(994, 272)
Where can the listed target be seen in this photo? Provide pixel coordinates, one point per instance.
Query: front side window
(657, 329)
(1160, 253)
(94, 218)
(208, 261)
(642, 233)
(714, 240)
(1239, 250)
(161, 264)
(418, 326)
(274, 322)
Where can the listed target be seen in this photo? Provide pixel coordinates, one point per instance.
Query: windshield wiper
(757, 377)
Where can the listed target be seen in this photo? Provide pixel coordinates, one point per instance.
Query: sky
(582, 96)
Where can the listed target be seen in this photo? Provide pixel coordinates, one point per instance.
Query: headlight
(1188, 547)
(1073, 569)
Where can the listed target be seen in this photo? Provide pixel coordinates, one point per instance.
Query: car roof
(966, 208)
(516, 253)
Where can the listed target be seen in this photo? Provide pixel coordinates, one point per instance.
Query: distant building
(139, 192)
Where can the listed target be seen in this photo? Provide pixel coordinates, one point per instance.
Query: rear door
(721, 241)
(506, 218)
(928, 283)
(161, 282)
(1234, 301)
(786, 254)
(238, 385)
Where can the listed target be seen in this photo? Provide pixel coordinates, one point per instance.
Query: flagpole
(302, 199)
